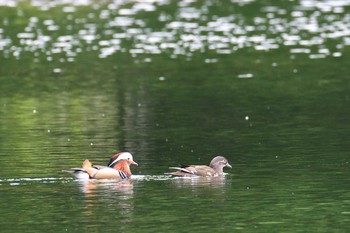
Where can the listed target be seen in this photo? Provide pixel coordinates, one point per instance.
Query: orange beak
(134, 163)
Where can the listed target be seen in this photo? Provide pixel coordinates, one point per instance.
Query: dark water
(264, 84)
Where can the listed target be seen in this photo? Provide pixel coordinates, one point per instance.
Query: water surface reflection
(107, 188)
(264, 81)
(107, 196)
(319, 29)
(195, 182)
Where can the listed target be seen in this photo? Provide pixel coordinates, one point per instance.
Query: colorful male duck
(120, 170)
(215, 169)
(118, 167)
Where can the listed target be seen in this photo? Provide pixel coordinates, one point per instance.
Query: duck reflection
(193, 182)
(108, 195)
(107, 187)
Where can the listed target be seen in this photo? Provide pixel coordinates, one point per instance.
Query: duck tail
(87, 164)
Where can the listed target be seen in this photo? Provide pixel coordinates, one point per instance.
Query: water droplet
(245, 75)
(57, 70)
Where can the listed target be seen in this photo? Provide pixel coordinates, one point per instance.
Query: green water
(178, 82)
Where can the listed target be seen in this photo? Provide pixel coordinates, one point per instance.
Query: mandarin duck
(215, 169)
(81, 173)
(120, 170)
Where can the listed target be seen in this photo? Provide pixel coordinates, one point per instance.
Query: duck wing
(80, 173)
(98, 166)
(193, 170)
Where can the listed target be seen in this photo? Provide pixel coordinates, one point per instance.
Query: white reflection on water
(193, 182)
(184, 182)
(89, 185)
(26, 180)
(111, 194)
(107, 187)
(191, 28)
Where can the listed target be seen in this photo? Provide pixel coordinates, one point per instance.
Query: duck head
(118, 157)
(218, 163)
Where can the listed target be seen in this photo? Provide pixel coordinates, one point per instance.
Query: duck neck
(218, 169)
(124, 167)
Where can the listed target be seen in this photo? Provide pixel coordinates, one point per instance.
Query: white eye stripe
(122, 155)
(125, 155)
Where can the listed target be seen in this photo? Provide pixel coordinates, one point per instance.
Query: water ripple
(190, 28)
(26, 180)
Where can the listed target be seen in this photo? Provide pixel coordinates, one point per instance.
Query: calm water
(175, 82)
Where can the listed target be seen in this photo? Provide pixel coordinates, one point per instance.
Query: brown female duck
(214, 169)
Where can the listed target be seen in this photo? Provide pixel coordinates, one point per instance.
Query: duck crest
(118, 157)
(113, 164)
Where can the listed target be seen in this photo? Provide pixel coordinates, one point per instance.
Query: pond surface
(175, 82)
